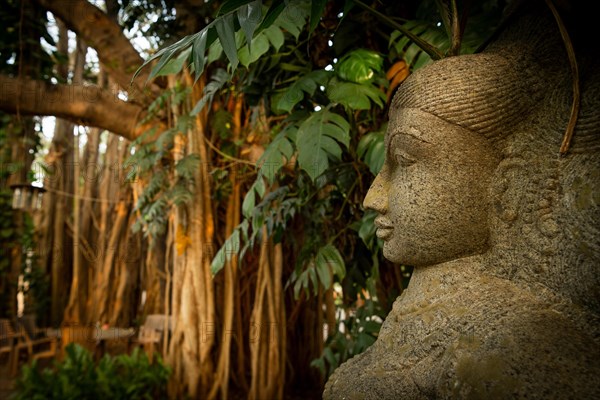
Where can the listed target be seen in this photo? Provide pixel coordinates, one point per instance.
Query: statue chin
(504, 302)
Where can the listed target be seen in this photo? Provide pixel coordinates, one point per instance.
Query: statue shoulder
(526, 354)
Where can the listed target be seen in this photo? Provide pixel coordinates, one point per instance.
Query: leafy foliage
(77, 377)
(318, 139)
(413, 54)
(324, 111)
(20, 25)
(293, 94)
(359, 66)
(219, 78)
(308, 171)
(243, 14)
(169, 181)
(371, 149)
(353, 95)
(326, 264)
(157, 17)
(433, 26)
(275, 212)
(356, 333)
(278, 153)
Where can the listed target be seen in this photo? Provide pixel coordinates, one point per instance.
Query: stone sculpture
(504, 233)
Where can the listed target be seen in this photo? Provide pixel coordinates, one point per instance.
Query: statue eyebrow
(404, 133)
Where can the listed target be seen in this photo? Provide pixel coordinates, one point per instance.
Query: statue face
(431, 193)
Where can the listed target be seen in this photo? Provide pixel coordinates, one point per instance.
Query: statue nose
(377, 196)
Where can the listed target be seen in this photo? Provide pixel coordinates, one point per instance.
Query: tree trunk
(73, 313)
(84, 104)
(58, 208)
(56, 203)
(268, 328)
(116, 53)
(230, 270)
(190, 350)
(154, 279)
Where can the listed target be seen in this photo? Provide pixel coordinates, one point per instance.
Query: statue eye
(403, 160)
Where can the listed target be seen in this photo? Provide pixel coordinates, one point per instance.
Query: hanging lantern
(27, 197)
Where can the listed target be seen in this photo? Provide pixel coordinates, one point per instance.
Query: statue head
(472, 167)
(441, 153)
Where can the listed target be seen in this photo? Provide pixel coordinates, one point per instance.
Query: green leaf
(330, 358)
(307, 84)
(272, 160)
(221, 123)
(230, 247)
(318, 139)
(319, 363)
(161, 63)
(260, 188)
(6, 233)
(249, 16)
(219, 78)
(275, 36)
(300, 283)
(444, 12)
(272, 14)
(198, 50)
(324, 272)
(371, 149)
(179, 194)
(165, 55)
(372, 327)
(329, 258)
(354, 95)
(413, 54)
(175, 65)
(249, 202)
(165, 139)
(363, 341)
(366, 228)
(260, 45)
(312, 274)
(286, 102)
(214, 51)
(316, 10)
(226, 32)
(360, 66)
(186, 167)
(294, 17)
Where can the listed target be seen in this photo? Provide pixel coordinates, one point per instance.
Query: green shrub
(79, 378)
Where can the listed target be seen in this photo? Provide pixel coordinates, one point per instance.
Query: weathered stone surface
(504, 301)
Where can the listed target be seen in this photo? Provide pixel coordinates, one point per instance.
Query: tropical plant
(329, 142)
(355, 333)
(78, 377)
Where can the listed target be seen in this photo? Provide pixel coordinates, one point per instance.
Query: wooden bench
(38, 343)
(151, 333)
(8, 341)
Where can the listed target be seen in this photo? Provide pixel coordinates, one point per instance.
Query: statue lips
(384, 229)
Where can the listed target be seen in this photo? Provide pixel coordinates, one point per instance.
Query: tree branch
(116, 53)
(81, 104)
